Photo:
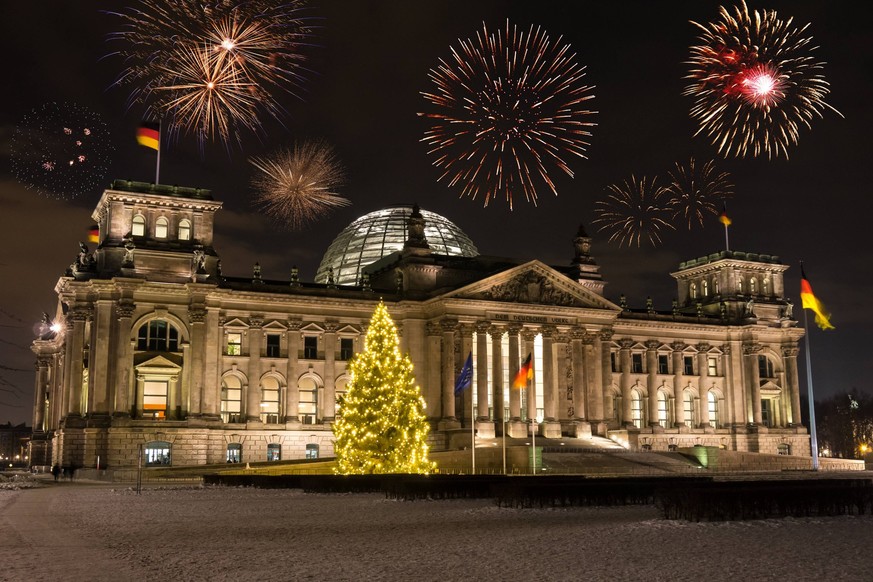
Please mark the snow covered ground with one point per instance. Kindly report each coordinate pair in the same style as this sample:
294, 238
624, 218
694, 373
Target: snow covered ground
85, 531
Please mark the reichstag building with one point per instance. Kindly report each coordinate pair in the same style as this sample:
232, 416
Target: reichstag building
151, 348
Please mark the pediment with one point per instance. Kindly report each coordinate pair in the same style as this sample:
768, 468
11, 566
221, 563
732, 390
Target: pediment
770, 387
312, 328
533, 283
275, 326
348, 330
236, 322
159, 363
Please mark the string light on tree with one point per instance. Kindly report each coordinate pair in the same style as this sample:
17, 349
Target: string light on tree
381, 426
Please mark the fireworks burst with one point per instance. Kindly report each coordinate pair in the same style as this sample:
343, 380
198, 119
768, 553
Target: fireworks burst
213, 68
754, 83
61, 150
508, 105
634, 210
695, 190
295, 186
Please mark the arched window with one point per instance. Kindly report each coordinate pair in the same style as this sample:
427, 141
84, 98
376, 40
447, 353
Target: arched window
308, 403
739, 285
162, 227
139, 226
765, 286
712, 402
704, 288
185, 229
662, 409
270, 400
157, 453
340, 390
688, 407
636, 409
715, 289
158, 336
231, 397
234, 453
753, 286
692, 290
274, 452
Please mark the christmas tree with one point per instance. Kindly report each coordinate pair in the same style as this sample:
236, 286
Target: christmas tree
381, 426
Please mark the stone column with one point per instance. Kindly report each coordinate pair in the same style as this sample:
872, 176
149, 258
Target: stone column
100, 355
606, 373
482, 328
514, 361
594, 375
789, 358
329, 409
529, 335
679, 383
76, 320
292, 392
550, 388
702, 388
123, 359
625, 360
580, 388
497, 372
253, 390
734, 378
652, 380
210, 402
43, 362
750, 353
447, 373
433, 388
197, 320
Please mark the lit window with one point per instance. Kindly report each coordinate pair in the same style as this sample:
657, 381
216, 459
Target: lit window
234, 453
704, 287
308, 402
234, 344
231, 399
636, 409
688, 367
692, 290
347, 348
783, 449
274, 452
273, 343
138, 228
715, 286
663, 364
154, 399
270, 400
157, 453
712, 402
765, 286
637, 363
185, 229
310, 347
739, 285
158, 336
688, 407
162, 227
753, 286
712, 366
311, 451
662, 409
340, 392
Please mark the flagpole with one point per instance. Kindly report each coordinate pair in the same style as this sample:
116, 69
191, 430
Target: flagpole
158, 168
812, 432
504, 441
727, 245
533, 443
473, 433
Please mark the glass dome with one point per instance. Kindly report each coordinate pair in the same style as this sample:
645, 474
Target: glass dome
380, 233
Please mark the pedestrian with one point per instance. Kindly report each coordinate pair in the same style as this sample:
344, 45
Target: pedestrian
56, 471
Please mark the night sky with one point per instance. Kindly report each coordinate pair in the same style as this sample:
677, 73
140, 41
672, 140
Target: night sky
370, 65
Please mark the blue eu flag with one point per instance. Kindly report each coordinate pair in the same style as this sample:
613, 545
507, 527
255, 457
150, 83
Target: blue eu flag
465, 378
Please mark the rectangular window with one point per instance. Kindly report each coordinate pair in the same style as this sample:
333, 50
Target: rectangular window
347, 348
307, 406
234, 344
154, 399
270, 406
273, 341
663, 364
688, 362
613, 361
765, 367
310, 347
712, 366
688, 407
637, 363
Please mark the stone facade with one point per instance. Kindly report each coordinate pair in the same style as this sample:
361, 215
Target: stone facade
151, 346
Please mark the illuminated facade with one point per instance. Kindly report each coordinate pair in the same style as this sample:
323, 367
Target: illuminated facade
154, 348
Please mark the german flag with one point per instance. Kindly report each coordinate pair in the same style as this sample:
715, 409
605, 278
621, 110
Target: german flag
149, 134
94, 234
810, 301
723, 217
524, 374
